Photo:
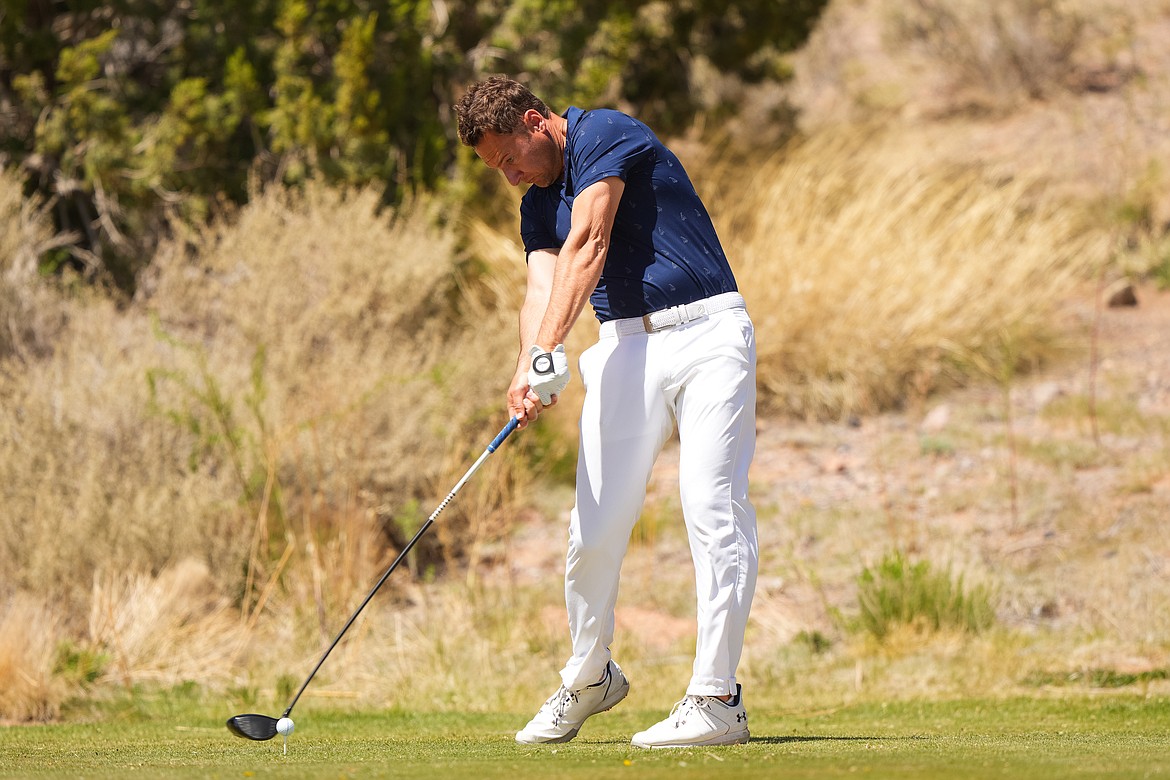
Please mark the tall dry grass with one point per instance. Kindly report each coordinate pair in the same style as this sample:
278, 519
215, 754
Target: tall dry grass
875, 276
29, 687
30, 312
284, 402
168, 628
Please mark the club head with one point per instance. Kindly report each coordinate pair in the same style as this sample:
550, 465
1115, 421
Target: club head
257, 727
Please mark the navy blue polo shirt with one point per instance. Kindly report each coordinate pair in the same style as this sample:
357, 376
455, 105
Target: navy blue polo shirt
663, 250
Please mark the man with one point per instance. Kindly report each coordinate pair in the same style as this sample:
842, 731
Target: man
611, 217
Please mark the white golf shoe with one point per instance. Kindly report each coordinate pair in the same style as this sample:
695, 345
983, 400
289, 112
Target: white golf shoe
699, 720
561, 717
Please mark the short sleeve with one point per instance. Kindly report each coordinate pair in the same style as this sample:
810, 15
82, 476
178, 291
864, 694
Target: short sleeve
605, 144
537, 226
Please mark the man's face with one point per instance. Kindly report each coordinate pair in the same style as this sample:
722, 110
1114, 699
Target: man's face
528, 154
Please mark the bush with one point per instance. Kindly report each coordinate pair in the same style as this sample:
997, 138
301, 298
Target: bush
875, 276
286, 383
133, 113
898, 592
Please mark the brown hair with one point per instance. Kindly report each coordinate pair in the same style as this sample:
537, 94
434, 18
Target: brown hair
497, 104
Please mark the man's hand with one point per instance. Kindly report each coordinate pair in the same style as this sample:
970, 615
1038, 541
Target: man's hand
522, 401
549, 374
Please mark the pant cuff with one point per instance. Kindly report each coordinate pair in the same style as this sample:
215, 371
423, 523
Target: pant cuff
711, 686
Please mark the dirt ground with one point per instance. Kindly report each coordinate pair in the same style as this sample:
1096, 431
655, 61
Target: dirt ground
1061, 510
1043, 501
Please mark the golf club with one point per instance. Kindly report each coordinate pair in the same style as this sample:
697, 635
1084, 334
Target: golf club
263, 727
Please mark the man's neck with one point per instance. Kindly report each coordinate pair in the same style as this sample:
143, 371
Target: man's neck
558, 128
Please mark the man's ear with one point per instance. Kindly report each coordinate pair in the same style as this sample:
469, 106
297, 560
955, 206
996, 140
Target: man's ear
533, 120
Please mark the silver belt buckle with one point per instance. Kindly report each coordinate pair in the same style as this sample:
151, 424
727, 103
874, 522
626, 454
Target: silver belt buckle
681, 316
665, 313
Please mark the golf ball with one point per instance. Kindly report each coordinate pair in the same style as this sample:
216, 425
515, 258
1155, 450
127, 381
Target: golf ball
285, 726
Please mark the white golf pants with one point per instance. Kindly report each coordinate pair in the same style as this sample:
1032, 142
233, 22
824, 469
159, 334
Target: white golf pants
701, 376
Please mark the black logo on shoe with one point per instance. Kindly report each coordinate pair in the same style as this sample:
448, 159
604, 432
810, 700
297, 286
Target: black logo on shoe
741, 717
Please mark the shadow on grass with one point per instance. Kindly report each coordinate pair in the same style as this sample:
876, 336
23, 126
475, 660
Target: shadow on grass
813, 738
760, 741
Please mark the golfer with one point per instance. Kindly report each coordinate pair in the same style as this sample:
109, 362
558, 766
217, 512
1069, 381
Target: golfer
610, 217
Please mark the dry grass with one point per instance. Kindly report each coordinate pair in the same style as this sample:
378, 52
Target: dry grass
954, 88
874, 277
252, 410
30, 313
939, 58
29, 690
168, 629
447, 644
996, 56
248, 415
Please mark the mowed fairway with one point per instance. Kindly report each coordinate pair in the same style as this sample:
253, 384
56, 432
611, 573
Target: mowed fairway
1109, 736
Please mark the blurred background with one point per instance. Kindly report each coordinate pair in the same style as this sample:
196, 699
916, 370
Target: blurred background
257, 316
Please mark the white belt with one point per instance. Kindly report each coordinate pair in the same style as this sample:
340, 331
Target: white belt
675, 315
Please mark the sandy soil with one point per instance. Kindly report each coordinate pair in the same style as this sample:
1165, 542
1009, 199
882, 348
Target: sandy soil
1069, 529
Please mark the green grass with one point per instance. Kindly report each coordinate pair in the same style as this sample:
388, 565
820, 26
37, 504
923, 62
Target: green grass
899, 591
1112, 736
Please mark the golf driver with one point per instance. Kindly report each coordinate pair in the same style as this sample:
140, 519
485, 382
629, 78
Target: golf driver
262, 727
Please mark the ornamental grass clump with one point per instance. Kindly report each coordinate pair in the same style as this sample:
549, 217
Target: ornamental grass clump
899, 592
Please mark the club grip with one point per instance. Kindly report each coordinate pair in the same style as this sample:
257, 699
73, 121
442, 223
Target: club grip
503, 434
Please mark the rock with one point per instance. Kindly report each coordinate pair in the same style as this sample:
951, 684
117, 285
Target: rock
1121, 294
835, 464
936, 419
1045, 393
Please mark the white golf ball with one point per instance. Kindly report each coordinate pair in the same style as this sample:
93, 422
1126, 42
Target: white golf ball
285, 726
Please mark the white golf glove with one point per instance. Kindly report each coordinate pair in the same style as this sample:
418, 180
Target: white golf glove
549, 374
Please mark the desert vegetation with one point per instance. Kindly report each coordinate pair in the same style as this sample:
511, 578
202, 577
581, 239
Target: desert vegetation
212, 446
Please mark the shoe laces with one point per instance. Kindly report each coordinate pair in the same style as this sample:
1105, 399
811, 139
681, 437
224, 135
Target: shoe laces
559, 702
686, 706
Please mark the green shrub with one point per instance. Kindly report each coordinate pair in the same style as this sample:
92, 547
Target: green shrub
1161, 273
80, 664
899, 592
129, 115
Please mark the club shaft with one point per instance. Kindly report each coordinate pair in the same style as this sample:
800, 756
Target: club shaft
496, 442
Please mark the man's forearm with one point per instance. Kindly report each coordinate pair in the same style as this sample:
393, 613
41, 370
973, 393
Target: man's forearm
581, 259
577, 272
531, 314
541, 271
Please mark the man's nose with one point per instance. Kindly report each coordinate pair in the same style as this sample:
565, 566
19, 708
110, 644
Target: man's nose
512, 175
